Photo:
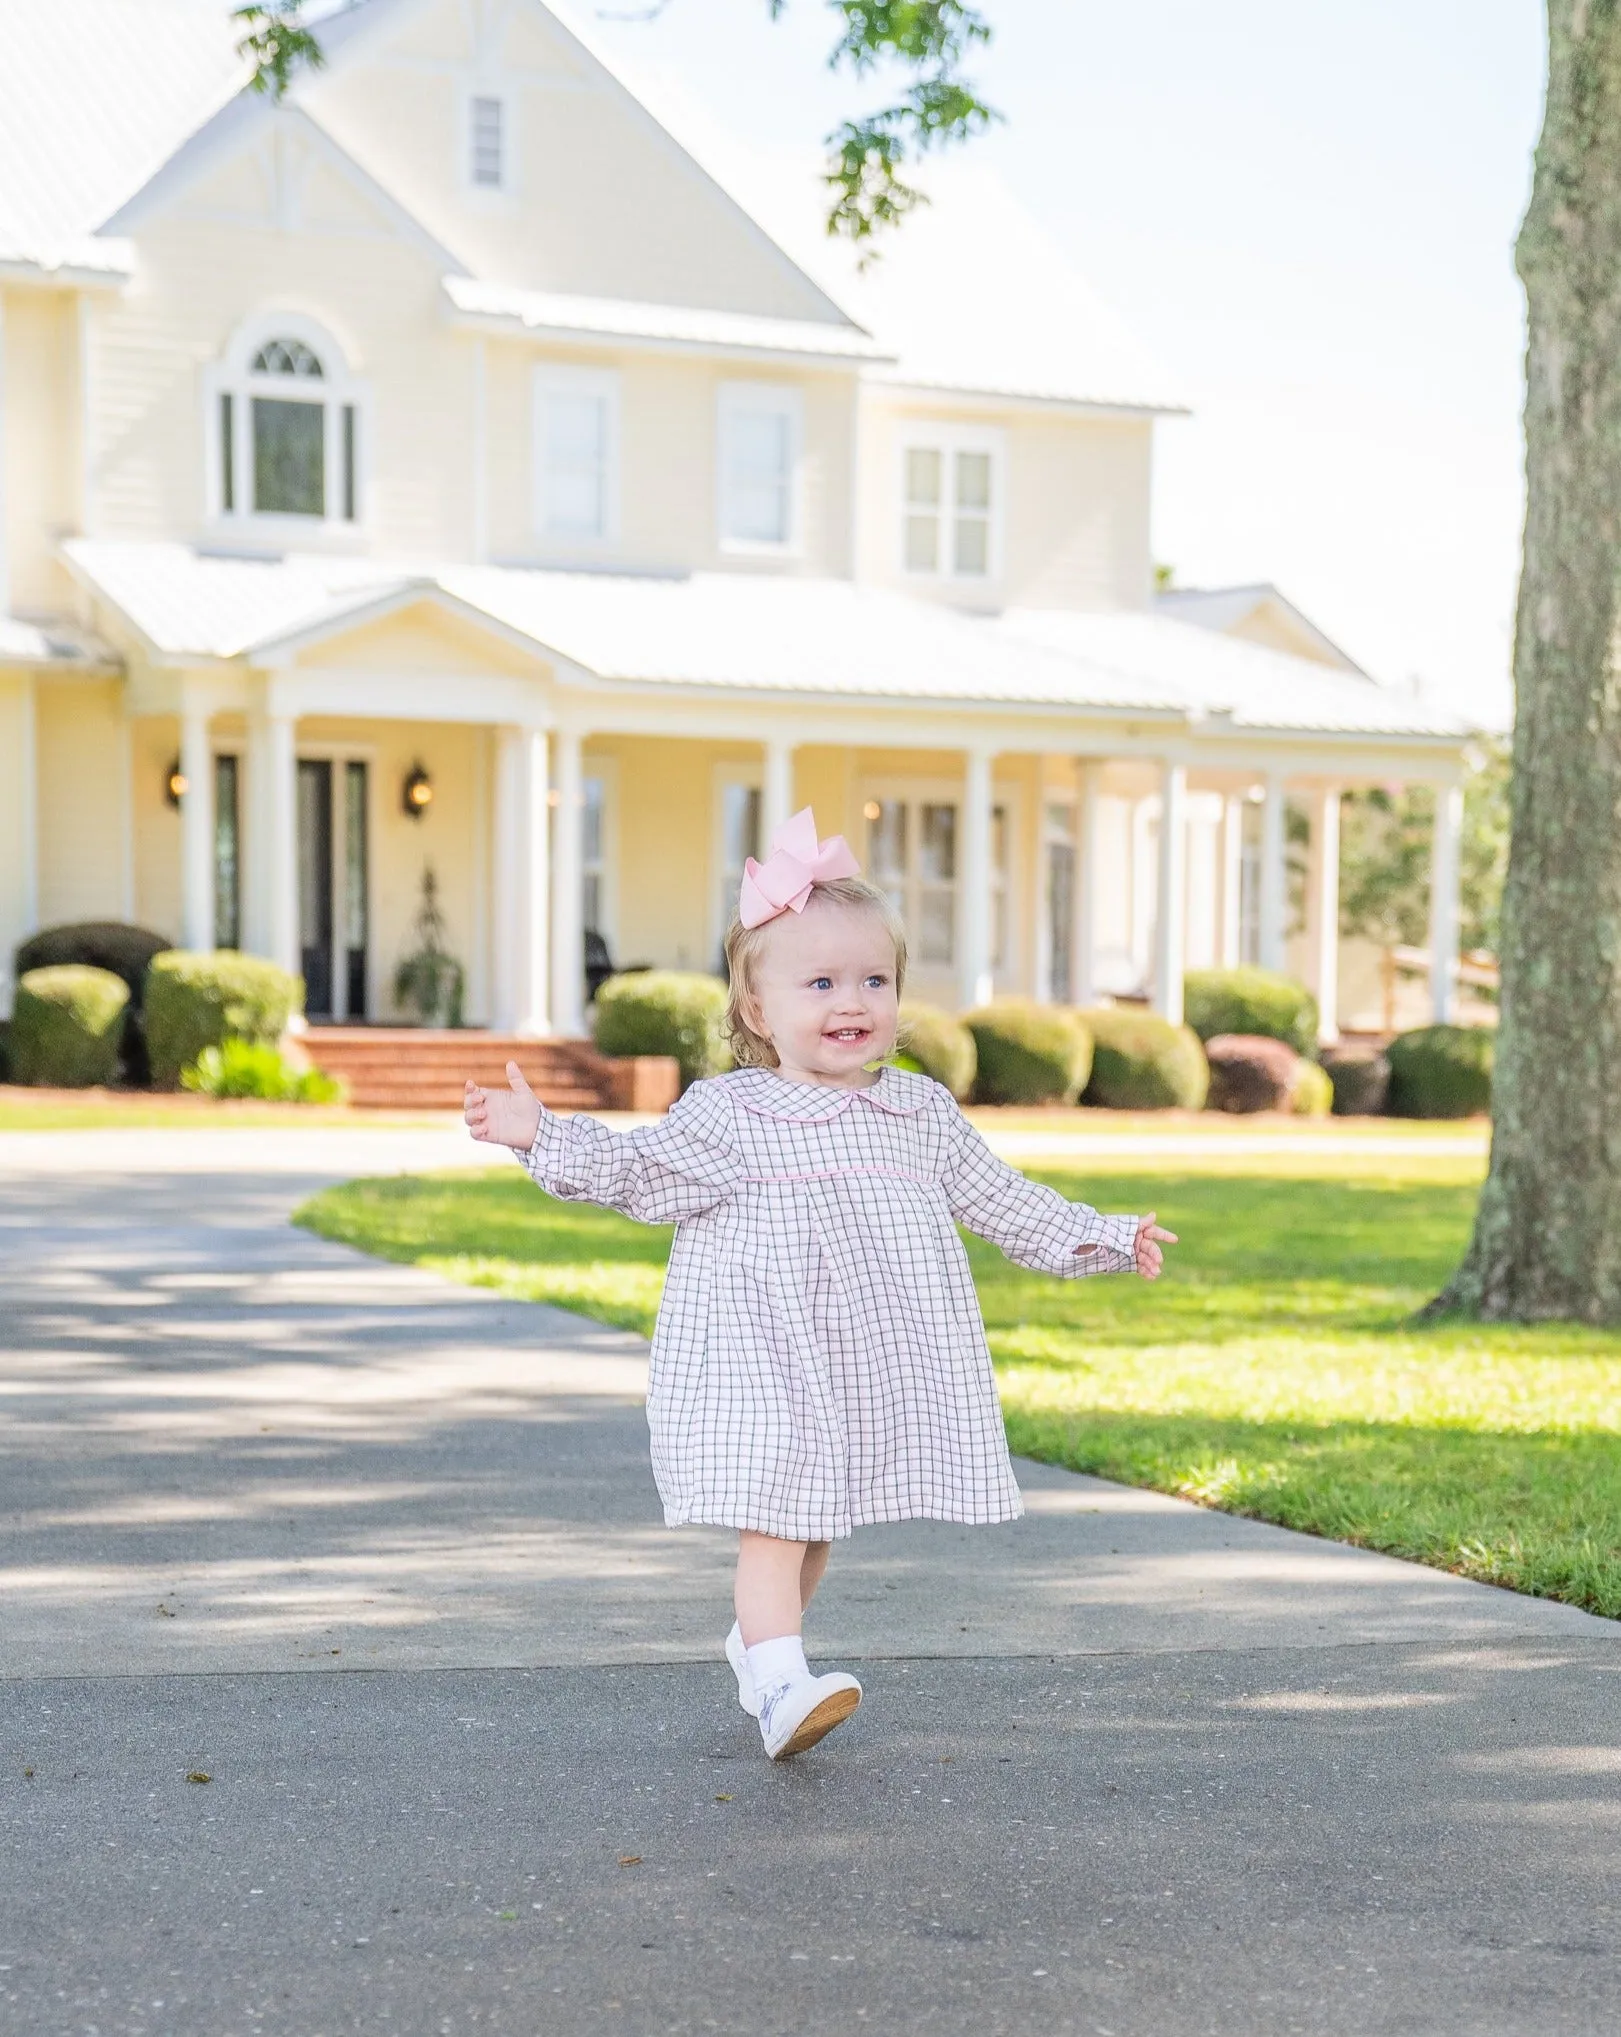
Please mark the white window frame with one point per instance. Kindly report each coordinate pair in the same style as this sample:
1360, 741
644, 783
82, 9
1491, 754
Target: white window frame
738, 399
918, 793
606, 772
603, 384
337, 390
489, 194
723, 895
948, 440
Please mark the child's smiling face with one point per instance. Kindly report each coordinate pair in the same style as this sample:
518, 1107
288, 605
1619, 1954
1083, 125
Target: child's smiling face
824, 992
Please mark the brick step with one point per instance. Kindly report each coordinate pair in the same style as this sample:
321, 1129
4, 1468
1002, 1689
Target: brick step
415, 1068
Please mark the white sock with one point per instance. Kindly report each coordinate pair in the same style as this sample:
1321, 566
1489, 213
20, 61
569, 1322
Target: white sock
776, 1662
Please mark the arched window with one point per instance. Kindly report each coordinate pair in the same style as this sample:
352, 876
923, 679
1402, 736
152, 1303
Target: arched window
286, 428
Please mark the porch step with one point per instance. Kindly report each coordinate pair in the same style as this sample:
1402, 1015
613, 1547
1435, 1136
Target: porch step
422, 1068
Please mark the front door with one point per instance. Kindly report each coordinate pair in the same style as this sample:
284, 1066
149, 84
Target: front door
332, 887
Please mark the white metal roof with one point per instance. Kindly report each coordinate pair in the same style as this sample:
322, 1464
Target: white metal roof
671, 324
28, 643
1227, 678
760, 633
94, 96
971, 295
1223, 608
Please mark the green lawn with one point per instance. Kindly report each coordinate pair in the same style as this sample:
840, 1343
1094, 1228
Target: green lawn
1275, 1370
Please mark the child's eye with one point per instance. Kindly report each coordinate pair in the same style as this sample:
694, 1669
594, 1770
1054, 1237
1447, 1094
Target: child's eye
821, 983
877, 982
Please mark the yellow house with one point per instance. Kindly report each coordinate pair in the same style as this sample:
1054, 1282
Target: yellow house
443, 469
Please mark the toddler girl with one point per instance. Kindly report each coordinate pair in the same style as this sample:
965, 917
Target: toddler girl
819, 1361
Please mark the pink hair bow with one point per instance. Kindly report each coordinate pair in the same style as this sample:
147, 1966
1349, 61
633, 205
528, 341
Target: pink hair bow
797, 863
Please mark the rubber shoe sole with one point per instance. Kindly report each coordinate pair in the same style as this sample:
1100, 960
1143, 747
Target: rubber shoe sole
820, 1720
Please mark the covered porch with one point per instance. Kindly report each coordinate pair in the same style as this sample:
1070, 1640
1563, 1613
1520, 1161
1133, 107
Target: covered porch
1067, 808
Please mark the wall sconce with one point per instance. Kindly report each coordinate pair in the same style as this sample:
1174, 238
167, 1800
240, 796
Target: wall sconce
418, 796
174, 783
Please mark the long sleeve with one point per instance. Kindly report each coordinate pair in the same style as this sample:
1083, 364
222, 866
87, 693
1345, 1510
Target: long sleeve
658, 1174
1035, 1226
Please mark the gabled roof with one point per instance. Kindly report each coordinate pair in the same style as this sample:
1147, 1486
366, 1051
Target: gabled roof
232, 128
1226, 609
743, 633
101, 100
95, 95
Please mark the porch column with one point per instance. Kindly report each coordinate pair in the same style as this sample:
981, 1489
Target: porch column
974, 978
1274, 875
1232, 880
281, 841
568, 933
1088, 854
777, 789
1325, 870
1444, 900
1170, 935
522, 893
196, 827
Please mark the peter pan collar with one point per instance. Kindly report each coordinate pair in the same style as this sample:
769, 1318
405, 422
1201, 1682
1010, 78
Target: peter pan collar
768, 1095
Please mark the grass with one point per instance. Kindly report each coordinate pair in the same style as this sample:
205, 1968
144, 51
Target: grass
95, 1110
1276, 1371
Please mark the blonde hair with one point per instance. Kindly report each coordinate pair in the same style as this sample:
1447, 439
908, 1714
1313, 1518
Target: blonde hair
744, 946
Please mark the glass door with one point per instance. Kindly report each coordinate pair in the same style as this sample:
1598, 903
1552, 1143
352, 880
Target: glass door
356, 891
333, 887
315, 885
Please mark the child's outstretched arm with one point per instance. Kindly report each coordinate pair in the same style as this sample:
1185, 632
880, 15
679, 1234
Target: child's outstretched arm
1037, 1227
658, 1174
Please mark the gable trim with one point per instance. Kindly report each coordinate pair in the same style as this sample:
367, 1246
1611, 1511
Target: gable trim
347, 615
237, 126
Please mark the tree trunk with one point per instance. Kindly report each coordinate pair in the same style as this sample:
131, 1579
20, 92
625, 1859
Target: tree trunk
1547, 1239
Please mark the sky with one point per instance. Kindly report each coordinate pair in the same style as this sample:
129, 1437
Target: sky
1305, 210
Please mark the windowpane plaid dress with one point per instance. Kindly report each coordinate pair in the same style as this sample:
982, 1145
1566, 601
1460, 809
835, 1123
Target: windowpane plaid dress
820, 1362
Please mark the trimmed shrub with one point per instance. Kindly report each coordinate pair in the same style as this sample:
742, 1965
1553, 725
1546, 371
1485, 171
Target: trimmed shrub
254, 1068
1442, 1072
934, 1043
1251, 1073
1140, 1061
665, 1011
122, 950
65, 1026
1314, 1093
1028, 1053
1253, 1002
1361, 1081
198, 1001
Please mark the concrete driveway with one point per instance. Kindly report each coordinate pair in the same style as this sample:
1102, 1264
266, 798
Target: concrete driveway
381, 1557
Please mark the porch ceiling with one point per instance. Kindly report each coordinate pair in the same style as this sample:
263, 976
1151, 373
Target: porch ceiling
744, 633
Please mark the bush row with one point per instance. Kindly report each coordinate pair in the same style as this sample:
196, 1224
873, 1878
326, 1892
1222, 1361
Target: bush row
1015, 1051
101, 999
214, 1021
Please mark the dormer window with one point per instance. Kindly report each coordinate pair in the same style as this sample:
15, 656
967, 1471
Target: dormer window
286, 436
488, 142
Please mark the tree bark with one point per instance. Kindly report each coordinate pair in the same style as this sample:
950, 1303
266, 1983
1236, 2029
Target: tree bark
1547, 1240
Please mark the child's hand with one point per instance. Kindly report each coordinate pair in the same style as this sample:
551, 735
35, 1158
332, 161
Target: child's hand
509, 1117
1150, 1259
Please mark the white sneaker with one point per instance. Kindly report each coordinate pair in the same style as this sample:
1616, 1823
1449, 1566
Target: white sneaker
794, 1716
738, 1656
